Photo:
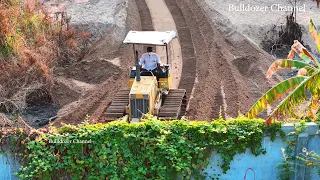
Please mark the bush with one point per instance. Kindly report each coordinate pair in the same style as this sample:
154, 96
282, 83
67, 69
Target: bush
148, 150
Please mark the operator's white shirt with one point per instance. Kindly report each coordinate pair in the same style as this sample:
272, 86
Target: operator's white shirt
149, 61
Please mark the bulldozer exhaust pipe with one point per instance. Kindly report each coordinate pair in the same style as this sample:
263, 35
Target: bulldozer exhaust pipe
138, 78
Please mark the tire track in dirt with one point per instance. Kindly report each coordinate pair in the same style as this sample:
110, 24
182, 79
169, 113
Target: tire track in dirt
188, 74
239, 63
146, 21
219, 87
145, 16
221, 59
207, 99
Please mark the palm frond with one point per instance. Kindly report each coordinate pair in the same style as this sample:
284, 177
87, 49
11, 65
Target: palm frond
275, 94
310, 70
296, 97
286, 63
293, 89
303, 53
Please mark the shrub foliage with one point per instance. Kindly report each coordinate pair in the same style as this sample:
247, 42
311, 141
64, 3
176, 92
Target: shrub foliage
148, 150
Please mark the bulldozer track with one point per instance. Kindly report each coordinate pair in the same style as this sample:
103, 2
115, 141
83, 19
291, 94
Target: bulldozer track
117, 108
197, 58
145, 16
219, 87
174, 104
227, 78
188, 74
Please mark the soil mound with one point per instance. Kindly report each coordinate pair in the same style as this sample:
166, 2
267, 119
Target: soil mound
102, 66
92, 72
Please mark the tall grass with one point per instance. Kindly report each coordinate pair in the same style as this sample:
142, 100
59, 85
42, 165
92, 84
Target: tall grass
25, 28
31, 43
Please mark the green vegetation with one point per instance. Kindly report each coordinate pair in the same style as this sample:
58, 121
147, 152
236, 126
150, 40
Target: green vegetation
151, 149
286, 168
308, 159
294, 91
32, 41
24, 29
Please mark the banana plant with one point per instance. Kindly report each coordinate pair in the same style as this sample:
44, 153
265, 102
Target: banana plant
292, 92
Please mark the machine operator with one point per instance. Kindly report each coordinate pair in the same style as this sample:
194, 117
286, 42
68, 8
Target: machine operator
150, 62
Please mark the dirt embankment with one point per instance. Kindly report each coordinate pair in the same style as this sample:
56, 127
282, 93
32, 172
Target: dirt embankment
230, 69
74, 81
96, 64
87, 86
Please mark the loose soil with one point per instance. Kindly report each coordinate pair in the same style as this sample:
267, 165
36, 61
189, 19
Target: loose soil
91, 72
109, 79
230, 69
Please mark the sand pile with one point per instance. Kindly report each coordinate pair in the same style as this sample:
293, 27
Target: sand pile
261, 25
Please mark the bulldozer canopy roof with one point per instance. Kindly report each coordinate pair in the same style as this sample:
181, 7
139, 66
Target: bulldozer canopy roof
159, 38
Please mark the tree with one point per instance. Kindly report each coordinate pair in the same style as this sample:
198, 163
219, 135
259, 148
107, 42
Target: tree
293, 92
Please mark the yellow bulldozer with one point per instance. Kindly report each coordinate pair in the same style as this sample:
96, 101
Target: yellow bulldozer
148, 94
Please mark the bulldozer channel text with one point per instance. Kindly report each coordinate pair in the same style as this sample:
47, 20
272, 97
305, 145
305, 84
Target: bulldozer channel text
65, 141
273, 7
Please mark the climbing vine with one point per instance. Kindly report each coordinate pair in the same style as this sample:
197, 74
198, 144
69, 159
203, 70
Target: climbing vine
286, 168
148, 150
308, 159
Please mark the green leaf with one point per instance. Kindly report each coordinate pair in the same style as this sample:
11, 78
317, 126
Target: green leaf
274, 94
297, 96
286, 63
